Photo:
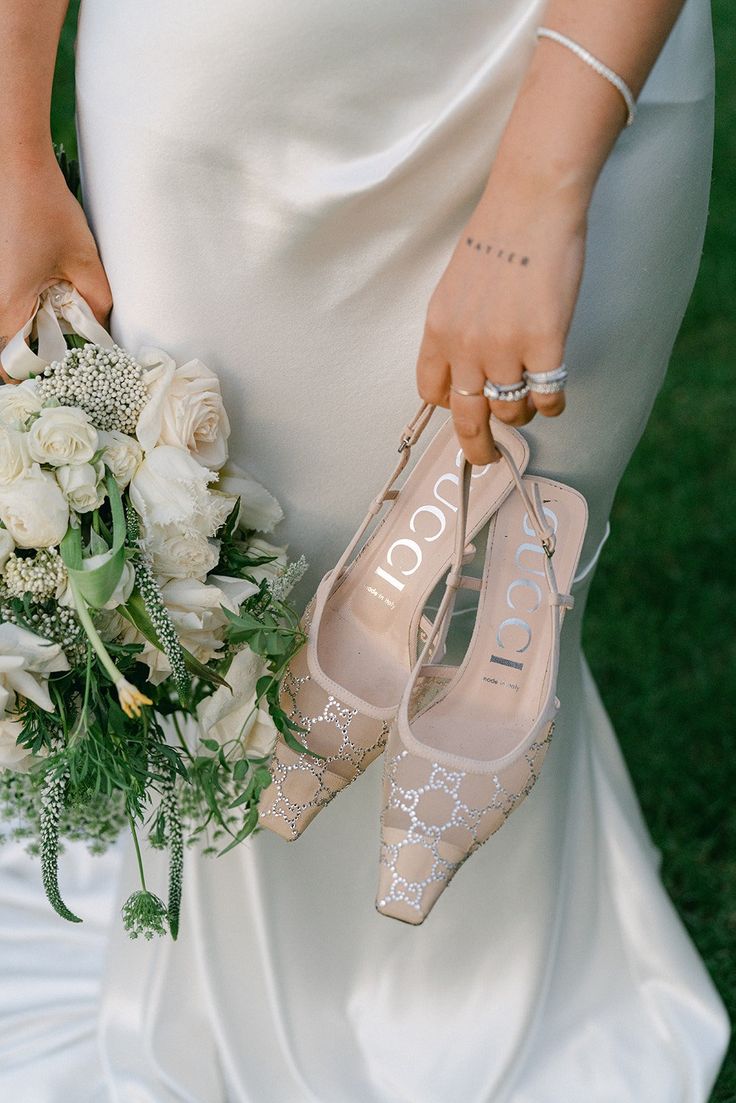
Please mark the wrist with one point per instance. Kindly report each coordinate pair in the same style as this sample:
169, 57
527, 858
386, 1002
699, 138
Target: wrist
23, 160
528, 195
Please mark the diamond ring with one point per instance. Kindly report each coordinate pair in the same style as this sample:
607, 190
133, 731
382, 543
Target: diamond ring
547, 382
506, 392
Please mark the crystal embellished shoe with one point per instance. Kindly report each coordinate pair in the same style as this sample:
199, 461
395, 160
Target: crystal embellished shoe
468, 742
365, 621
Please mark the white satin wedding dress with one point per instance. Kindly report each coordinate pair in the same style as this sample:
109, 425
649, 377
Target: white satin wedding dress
276, 186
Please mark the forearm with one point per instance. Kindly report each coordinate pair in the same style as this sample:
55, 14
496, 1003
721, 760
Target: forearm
567, 117
30, 32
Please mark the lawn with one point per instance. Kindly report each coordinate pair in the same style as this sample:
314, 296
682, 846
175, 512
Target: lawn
663, 595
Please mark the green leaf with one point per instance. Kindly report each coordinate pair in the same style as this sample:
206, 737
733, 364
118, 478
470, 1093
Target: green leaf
210, 744
97, 585
241, 768
249, 824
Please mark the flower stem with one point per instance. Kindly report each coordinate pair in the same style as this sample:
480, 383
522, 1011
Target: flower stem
93, 635
138, 854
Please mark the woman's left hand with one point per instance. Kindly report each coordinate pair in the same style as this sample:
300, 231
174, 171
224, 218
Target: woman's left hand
504, 303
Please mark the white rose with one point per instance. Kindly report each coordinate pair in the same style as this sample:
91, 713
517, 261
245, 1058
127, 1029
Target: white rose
184, 408
259, 510
122, 454
61, 435
7, 547
18, 403
34, 510
170, 488
257, 548
14, 457
177, 554
12, 757
82, 485
26, 660
195, 608
231, 713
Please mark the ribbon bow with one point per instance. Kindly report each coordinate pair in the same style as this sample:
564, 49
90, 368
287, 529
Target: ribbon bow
59, 309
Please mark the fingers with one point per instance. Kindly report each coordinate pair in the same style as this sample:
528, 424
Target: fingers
433, 372
13, 316
471, 416
544, 356
91, 283
549, 405
502, 366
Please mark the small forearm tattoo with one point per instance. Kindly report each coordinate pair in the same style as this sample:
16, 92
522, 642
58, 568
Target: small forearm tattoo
491, 250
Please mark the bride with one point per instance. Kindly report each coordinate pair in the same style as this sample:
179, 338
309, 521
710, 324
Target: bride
319, 198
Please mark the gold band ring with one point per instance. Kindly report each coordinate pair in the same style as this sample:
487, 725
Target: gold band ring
466, 394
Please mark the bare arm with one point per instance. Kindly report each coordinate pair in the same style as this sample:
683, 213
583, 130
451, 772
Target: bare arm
44, 236
30, 32
494, 313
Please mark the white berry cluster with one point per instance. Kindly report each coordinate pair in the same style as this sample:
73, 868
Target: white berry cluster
42, 575
106, 383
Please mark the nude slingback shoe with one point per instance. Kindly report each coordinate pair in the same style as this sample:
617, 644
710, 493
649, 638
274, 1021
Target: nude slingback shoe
468, 742
363, 624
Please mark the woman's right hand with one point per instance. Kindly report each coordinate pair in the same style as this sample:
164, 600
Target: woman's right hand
44, 238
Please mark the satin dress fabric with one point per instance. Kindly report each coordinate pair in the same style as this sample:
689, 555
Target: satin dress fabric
276, 187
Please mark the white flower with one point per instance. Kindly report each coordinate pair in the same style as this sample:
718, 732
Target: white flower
14, 457
26, 660
177, 554
7, 547
185, 408
12, 757
122, 454
18, 403
34, 510
170, 488
61, 435
194, 608
230, 714
82, 485
259, 510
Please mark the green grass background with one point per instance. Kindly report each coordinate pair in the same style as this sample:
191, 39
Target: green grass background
661, 623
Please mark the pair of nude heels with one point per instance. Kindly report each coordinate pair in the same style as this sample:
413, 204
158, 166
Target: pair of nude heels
463, 745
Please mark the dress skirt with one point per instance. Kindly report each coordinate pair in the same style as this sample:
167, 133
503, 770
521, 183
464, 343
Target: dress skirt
276, 187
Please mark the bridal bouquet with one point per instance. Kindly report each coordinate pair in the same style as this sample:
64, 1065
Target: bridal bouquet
144, 625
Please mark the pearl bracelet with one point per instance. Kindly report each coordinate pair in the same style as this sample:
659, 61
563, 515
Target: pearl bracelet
595, 63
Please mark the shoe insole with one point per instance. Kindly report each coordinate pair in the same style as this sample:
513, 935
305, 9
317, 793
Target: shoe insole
367, 636
494, 699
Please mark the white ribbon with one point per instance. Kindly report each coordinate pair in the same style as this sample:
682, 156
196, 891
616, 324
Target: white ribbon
59, 309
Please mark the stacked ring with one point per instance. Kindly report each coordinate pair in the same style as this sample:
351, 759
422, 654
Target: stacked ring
506, 392
547, 382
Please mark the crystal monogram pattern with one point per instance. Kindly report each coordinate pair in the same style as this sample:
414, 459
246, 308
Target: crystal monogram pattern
303, 784
434, 817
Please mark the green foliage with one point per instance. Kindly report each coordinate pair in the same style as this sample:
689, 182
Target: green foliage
144, 914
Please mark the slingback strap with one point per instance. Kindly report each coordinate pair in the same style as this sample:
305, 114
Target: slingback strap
59, 309
409, 437
534, 508
414, 428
